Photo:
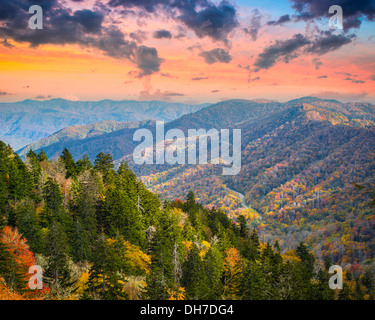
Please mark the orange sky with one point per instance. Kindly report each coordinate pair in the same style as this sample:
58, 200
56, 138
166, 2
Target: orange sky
75, 72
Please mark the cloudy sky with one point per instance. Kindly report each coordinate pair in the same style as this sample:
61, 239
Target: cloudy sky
187, 50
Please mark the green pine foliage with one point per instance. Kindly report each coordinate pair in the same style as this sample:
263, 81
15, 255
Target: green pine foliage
103, 222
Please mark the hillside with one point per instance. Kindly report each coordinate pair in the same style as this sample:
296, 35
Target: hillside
27, 121
298, 170
99, 234
299, 162
78, 138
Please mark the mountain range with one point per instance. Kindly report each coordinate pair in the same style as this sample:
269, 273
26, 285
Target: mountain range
300, 161
27, 121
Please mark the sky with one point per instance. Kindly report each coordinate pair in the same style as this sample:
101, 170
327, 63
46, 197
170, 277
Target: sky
190, 51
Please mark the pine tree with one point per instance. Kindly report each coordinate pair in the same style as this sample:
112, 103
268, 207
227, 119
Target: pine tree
252, 282
82, 246
28, 225
57, 250
85, 225
70, 165
106, 279
36, 168
214, 268
103, 163
123, 216
307, 258
194, 277
251, 247
163, 244
9, 270
84, 164
54, 207
243, 226
42, 156
320, 290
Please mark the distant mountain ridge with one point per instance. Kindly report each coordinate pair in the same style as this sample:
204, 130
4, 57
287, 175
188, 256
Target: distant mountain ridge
226, 114
299, 162
75, 135
28, 121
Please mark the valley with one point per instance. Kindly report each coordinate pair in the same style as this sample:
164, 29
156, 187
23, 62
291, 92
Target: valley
299, 162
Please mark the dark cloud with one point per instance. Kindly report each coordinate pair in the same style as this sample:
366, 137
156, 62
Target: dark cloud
373, 77
139, 36
286, 50
216, 55
346, 74
148, 5
84, 27
147, 60
283, 19
353, 11
199, 78
6, 44
212, 21
329, 42
91, 21
159, 95
282, 49
40, 97
162, 34
358, 81
3, 93
317, 63
202, 16
322, 77
173, 94
254, 25
168, 75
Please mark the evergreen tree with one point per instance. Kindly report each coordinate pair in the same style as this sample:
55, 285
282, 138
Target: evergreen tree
307, 258
57, 250
194, 276
82, 246
9, 270
163, 243
320, 289
103, 163
36, 168
243, 226
85, 225
214, 271
28, 225
70, 165
54, 207
251, 247
106, 279
42, 156
84, 164
123, 216
252, 282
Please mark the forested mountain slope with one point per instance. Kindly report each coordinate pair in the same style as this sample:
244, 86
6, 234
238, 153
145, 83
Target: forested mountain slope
300, 161
27, 121
98, 233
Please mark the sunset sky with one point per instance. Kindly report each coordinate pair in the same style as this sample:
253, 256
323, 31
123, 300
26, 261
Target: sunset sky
190, 51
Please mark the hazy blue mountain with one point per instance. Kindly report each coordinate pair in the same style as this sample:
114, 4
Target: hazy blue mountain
88, 139
300, 160
27, 121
